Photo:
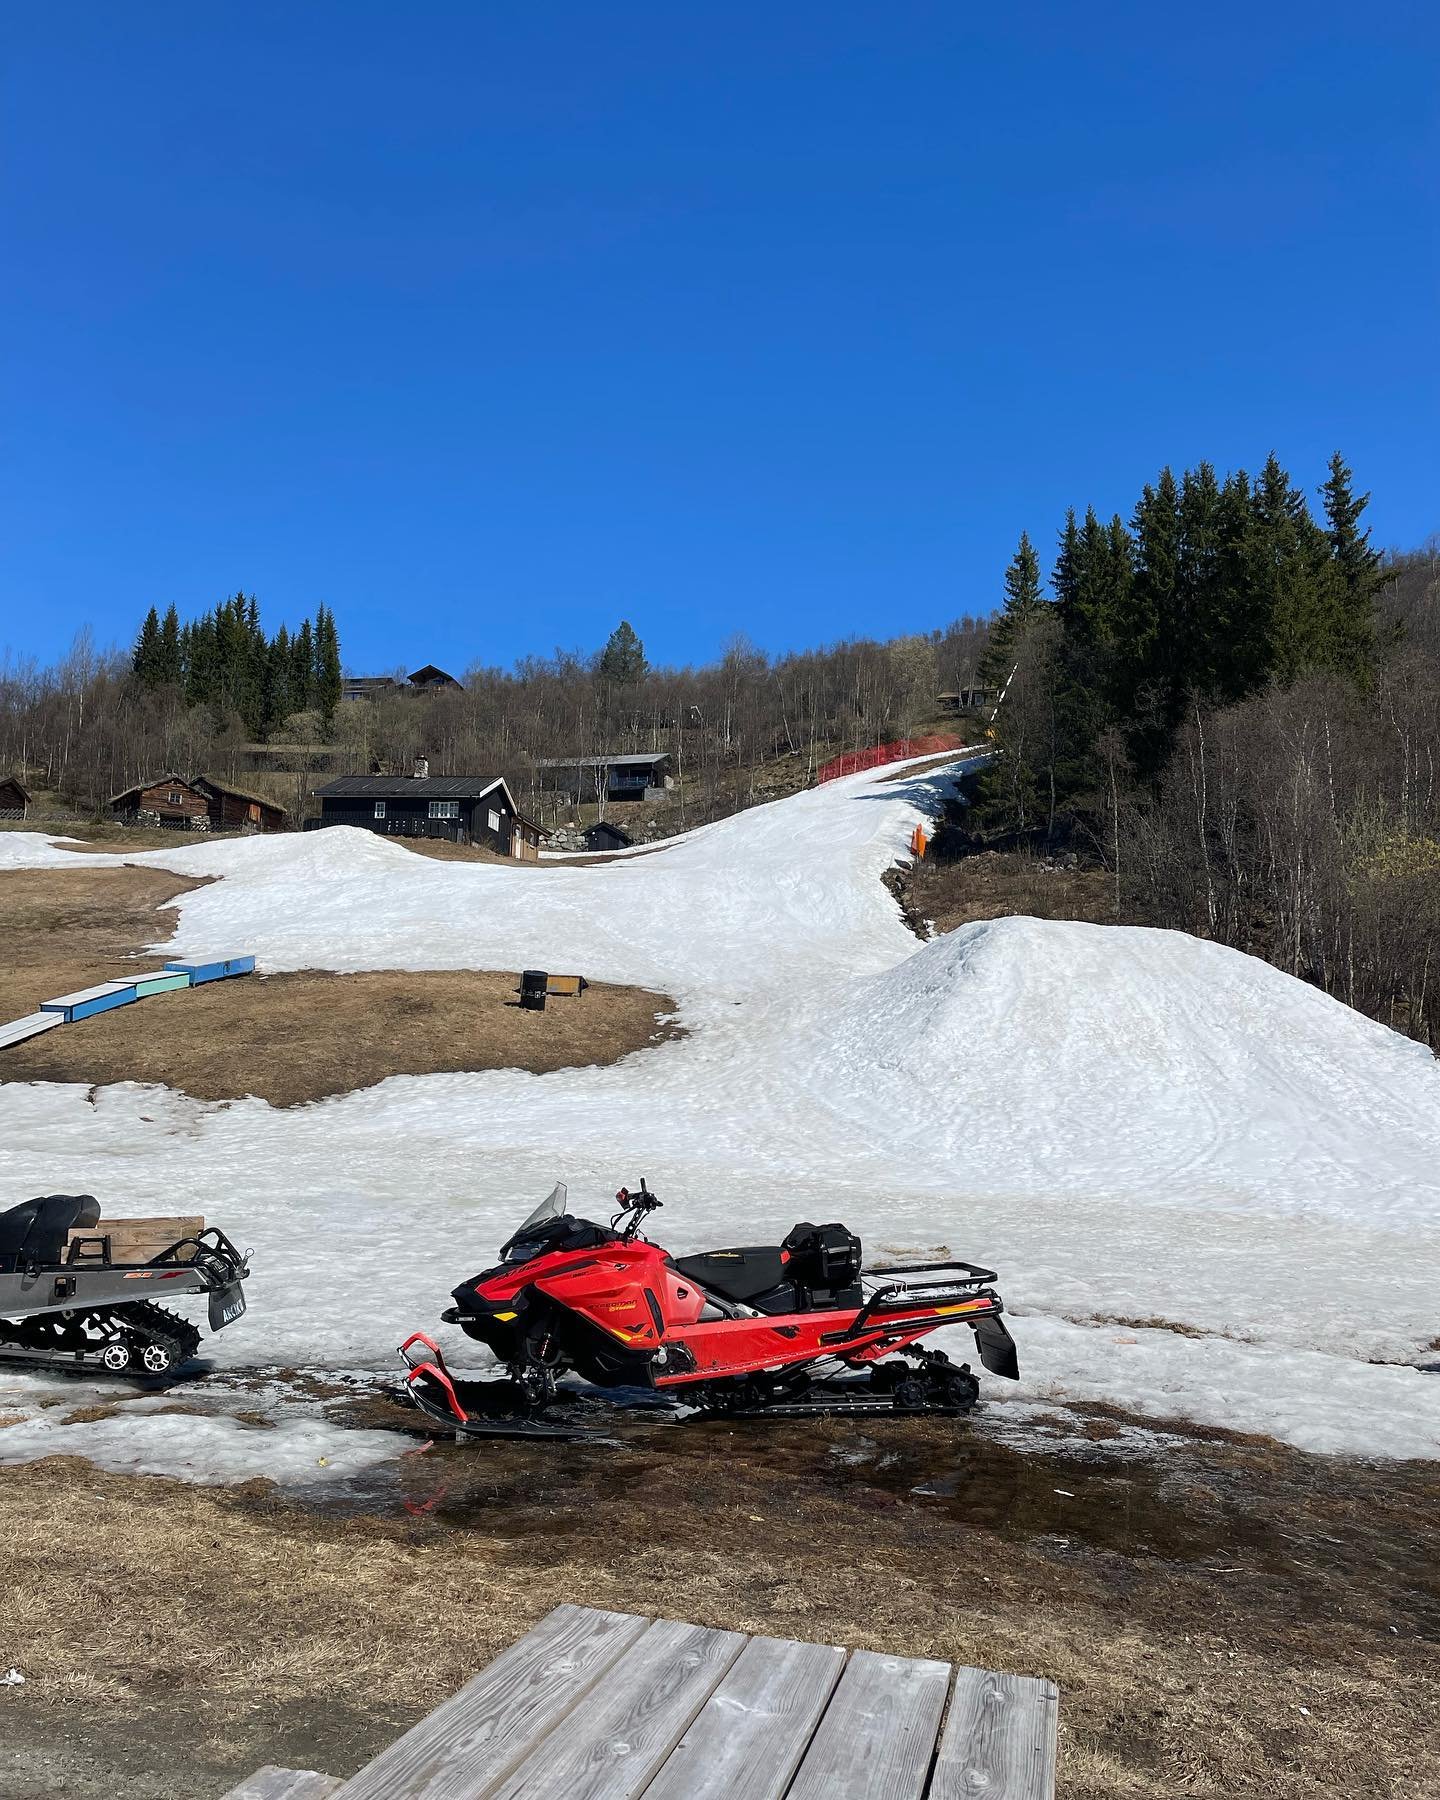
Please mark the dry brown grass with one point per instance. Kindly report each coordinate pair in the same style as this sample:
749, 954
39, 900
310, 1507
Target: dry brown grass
996, 884
287, 1038
64, 929
291, 1039
1188, 1609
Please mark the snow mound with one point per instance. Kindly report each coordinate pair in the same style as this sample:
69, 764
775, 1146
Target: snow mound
1031, 1050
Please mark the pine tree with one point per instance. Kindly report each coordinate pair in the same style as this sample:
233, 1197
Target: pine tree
1356, 572
145, 658
623, 658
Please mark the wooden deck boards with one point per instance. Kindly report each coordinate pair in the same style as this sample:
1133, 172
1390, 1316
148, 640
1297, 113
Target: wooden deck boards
606, 1706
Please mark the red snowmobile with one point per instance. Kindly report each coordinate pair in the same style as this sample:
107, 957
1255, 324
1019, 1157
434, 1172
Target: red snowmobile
789, 1329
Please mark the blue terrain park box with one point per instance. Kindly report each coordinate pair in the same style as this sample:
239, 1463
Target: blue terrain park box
88, 1001
214, 968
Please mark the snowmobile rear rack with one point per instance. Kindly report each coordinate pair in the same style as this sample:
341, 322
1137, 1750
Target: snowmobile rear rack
66, 1302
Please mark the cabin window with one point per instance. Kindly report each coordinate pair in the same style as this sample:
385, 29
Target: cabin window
444, 809
494, 821
173, 797
379, 809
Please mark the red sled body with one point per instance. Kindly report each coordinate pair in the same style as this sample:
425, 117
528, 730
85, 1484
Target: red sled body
756, 1329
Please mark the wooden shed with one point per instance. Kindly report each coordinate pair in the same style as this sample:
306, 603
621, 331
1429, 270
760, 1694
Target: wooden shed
464, 809
235, 808
14, 797
169, 800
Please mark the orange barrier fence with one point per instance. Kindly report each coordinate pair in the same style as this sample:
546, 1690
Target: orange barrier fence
853, 761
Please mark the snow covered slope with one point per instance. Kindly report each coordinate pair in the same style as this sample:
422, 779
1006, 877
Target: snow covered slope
1138, 1129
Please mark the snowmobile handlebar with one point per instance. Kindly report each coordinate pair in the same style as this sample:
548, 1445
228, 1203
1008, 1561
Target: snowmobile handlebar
637, 1205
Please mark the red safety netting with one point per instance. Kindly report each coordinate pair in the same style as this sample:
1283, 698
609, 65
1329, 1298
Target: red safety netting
853, 761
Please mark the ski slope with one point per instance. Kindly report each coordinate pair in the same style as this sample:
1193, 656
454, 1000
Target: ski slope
1139, 1130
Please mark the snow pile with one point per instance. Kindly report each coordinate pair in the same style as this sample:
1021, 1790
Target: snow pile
1185, 1070
1138, 1130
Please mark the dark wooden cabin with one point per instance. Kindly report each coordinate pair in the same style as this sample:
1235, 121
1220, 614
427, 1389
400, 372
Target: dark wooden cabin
168, 800
465, 809
235, 808
606, 836
14, 797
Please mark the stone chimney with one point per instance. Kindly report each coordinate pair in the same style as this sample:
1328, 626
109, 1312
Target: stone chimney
422, 768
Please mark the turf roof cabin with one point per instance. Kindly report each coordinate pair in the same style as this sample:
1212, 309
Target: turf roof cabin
466, 809
197, 803
14, 797
169, 800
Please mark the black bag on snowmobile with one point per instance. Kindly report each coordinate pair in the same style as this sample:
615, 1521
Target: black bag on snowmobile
825, 1262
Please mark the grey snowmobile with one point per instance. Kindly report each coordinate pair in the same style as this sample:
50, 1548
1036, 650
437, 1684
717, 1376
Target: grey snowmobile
79, 1294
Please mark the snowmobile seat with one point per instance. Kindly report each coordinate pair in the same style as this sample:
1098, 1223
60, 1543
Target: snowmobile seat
739, 1275
34, 1231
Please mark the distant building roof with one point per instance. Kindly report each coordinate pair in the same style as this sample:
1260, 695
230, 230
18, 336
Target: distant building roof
422, 787
169, 779
19, 786
601, 762
430, 676
214, 783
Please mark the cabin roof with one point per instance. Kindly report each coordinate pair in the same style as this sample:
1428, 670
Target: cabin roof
19, 786
430, 673
238, 793
419, 787
602, 762
169, 779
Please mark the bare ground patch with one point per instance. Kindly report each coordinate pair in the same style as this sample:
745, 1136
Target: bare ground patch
290, 1039
63, 929
945, 893
287, 1038
1221, 1618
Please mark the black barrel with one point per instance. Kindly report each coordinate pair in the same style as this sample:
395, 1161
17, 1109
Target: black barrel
533, 983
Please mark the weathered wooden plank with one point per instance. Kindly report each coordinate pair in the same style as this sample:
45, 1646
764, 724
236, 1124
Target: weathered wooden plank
878, 1733
751, 1733
999, 1740
609, 1748
471, 1742
271, 1783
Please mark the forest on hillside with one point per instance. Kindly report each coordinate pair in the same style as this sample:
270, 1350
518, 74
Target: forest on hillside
1228, 702
203, 697
1233, 707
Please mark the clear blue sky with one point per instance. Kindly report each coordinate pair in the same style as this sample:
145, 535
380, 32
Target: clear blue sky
489, 324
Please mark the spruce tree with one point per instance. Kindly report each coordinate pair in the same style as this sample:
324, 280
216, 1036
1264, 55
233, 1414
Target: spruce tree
1356, 572
327, 664
302, 668
171, 669
623, 658
145, 658
1024, 603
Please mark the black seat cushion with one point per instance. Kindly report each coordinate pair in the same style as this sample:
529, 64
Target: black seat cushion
34, 1231
737, 1274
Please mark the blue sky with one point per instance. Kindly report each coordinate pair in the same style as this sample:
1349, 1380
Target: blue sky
487, 325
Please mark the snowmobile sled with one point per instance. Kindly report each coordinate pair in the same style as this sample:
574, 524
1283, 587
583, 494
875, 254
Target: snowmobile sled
79, 1294
793, 1329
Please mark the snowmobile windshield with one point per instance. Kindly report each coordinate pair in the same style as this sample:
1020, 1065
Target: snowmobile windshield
538, 1226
